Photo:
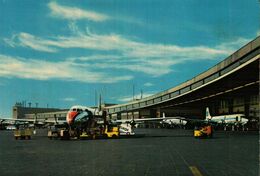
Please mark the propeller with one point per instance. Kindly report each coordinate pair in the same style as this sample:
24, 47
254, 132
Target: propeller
132, 123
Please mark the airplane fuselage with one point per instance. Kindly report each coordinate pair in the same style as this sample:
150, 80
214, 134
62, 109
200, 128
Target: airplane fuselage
230, 119
174, 121
80, 114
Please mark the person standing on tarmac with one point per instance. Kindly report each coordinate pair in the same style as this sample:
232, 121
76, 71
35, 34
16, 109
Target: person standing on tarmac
207, 130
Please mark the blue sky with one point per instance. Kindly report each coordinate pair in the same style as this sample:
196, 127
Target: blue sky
61, 52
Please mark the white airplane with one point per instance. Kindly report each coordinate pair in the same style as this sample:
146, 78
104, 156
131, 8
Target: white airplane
232, 119
78, 114
174, 121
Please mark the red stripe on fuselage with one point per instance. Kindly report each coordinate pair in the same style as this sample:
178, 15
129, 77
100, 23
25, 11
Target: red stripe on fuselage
71, 116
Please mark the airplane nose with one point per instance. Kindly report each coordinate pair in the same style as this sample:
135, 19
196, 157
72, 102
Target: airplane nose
71, 116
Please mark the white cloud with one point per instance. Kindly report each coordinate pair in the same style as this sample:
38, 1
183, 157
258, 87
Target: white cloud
125, 99
70, 99
148, 84
233, 45
46, 70
129, 98
258, 33
29, 41
131, 55
74, 13
127, 47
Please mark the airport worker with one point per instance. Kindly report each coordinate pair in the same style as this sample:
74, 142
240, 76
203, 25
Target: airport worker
209, 130
206, 130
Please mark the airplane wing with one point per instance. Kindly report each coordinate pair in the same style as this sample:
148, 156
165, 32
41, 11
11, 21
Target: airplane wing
179, 118
200, 121
35, 121
137, 120
156, 119
184, 120
55, 121
16, 120
189, 119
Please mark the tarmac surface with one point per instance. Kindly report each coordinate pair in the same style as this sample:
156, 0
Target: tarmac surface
158, 152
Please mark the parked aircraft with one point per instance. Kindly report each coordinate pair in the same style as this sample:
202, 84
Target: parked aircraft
232, 119
82, 114
226, 120
174, 121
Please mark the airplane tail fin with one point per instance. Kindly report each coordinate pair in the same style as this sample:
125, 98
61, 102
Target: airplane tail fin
208, 116
163, 115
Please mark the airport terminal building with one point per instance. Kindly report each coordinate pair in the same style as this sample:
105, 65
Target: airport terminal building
20, 111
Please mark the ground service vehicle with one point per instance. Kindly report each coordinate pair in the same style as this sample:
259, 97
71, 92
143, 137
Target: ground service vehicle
106, 131
55, 130
204, 132
112, 132
23, 133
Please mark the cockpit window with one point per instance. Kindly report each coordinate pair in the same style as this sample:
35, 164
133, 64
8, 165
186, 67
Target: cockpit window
83, 115
73, 109
79, 110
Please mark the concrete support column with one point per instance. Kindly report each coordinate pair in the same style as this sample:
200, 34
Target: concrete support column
158, 112
118, 116
110, 116
246, 104
230, 106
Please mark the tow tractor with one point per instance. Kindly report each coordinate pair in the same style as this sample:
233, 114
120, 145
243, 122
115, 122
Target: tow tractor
23, 132
54, 131
109, 131
205, 131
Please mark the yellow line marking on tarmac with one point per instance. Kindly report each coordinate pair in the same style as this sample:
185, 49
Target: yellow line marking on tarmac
195, 171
